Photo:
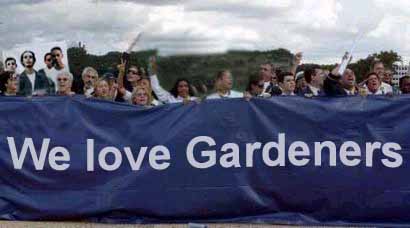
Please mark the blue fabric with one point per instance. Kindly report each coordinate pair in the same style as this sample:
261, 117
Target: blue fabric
310, 194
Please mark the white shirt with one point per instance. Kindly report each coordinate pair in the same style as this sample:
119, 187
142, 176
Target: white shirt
349, 92
164, 95
230, 94
265, 86
314, 90
32, 78
386, 88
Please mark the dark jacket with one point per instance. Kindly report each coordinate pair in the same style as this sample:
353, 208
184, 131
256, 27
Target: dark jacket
332, 86
41, 83
308, 91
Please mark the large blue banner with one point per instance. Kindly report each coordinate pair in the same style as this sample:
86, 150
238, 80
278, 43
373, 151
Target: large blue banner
286, 160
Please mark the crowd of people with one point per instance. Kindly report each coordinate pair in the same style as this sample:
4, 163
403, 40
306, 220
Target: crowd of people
141, 87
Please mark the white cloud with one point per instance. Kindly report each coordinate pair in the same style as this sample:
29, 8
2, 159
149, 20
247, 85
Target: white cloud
322, 29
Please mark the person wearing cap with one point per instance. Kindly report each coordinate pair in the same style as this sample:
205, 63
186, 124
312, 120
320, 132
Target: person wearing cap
64, 84
300, 82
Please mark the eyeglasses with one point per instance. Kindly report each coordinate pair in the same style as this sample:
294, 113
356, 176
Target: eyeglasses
62, 79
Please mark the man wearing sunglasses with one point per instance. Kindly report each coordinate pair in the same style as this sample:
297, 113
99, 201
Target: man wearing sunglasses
31, 82
47, 71
10, 64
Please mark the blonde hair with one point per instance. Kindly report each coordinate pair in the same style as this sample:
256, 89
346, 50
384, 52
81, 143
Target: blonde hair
134, 94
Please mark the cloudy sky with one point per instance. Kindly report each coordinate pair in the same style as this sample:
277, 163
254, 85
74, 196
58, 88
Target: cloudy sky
321, 29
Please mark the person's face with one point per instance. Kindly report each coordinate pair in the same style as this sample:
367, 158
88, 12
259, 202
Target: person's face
102, 89
349, 78
133, 74
90, 79
12, 85
257, 89
288, 84
58, 55
388, 76
301, 83
265, 71
226, 81
145, 83
11, 65
379, 69
317, 77
141, 97
373, 83
63, 83
49, 61
28, 60
405, 86
183, 89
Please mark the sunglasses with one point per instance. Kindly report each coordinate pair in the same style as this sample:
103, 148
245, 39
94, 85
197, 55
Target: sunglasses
133, 72
260, 85
49, 60
11, 64
62, 79
27, 57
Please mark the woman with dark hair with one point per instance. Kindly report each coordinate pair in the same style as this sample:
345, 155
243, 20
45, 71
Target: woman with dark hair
181, 92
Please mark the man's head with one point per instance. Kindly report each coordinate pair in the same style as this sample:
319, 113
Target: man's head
48, 60
64, 82
378, 68
348, 79
89, 76
267, 72
314, 76
405, 84
10, 64
300, 81
388, 76
223, 80
255, 85
58, 56
287, 82
28, 59
9, 83
373, 82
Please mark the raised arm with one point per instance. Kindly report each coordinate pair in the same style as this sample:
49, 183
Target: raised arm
296, 62
161, 93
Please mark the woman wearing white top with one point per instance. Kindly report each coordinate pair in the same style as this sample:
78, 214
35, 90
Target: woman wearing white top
223, 86
181, 92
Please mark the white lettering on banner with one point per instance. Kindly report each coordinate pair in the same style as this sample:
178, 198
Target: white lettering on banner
203, 152
274, 154
38, 161
158, 157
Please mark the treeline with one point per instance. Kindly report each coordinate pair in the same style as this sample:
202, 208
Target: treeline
201, 69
